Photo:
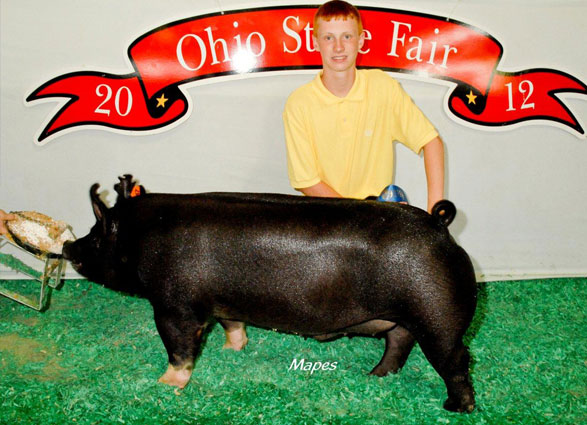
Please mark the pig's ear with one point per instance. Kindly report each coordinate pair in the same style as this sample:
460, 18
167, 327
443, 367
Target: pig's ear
127, 188
99, 207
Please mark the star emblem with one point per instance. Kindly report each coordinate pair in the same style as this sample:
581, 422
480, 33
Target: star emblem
161, 101
471, 97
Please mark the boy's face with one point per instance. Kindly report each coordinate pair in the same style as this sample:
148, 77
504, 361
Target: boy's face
338, 42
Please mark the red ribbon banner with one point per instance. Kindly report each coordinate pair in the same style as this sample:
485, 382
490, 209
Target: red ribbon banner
280, 38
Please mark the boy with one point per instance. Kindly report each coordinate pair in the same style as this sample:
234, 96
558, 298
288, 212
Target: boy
340, 127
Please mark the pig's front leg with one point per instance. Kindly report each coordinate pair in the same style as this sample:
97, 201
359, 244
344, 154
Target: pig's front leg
236, 336
177, 376
182, 335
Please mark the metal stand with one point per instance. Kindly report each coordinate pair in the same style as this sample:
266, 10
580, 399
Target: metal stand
49, 278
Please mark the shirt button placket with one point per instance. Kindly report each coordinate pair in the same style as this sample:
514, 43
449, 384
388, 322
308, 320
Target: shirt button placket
346, 138
346, 119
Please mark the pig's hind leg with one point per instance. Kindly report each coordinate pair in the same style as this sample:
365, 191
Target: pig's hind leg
181, 336
441, 320
439, 327
398, 345
439, 331
450, 358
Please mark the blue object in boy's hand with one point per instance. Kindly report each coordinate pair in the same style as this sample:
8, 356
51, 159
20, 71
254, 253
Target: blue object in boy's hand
393, 193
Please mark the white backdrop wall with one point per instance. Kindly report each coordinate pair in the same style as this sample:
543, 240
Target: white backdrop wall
520, 191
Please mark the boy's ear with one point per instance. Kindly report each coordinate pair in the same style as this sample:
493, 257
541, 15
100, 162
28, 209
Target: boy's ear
361, 39
315, 40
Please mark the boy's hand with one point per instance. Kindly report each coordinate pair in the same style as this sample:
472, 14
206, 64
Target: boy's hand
4, 217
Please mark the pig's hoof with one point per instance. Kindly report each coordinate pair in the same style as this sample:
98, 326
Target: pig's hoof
384, 370
235, 339
456, 406
176, 376
236, 346
379, 371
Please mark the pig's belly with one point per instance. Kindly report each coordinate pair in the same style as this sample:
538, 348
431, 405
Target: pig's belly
322, 325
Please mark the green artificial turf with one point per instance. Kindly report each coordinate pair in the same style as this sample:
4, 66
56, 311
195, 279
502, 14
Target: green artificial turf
94, 356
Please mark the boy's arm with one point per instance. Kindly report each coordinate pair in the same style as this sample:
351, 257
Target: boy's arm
321, 189
434, 166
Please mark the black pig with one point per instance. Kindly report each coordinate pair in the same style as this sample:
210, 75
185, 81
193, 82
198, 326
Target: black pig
312, 266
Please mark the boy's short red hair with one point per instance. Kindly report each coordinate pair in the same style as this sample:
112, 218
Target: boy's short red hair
337, 9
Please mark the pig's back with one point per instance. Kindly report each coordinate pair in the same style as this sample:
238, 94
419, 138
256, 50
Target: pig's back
266, 212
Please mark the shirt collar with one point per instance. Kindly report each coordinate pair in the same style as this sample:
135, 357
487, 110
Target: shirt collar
356, 94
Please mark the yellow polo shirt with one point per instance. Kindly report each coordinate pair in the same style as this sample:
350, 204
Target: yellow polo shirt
348, 142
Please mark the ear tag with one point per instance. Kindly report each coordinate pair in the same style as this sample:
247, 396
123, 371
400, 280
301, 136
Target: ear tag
136, 191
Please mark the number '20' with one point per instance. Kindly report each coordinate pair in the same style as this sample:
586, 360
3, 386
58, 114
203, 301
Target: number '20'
104, 90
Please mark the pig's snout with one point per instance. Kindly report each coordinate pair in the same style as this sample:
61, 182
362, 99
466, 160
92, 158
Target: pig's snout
70, 252
67, 251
